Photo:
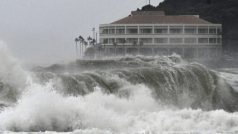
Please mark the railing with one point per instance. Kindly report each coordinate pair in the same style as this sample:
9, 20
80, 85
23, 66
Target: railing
204, 30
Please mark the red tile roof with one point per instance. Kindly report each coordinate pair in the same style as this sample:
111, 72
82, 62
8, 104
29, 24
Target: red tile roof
158, 17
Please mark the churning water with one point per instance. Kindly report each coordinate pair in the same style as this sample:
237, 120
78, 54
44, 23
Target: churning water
130, 95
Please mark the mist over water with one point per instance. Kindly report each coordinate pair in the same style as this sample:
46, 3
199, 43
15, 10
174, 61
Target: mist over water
117, 96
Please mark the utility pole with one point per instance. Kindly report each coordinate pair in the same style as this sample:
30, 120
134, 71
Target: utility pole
146, 1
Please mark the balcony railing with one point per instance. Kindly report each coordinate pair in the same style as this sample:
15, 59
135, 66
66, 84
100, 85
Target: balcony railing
161, 30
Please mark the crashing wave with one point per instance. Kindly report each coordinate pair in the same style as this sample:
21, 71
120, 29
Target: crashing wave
171, 81
116, 95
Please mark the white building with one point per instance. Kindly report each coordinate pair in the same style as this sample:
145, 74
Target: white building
154, 33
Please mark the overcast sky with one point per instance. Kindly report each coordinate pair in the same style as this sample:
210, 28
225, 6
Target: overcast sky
43, 31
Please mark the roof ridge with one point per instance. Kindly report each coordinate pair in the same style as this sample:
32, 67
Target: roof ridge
161, 19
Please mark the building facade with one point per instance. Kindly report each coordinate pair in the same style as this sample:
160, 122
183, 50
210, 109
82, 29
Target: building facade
154, 33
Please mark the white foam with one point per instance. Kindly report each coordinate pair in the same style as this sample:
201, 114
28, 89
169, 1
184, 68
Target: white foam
13, 79
231, 78
42, 108
10, 70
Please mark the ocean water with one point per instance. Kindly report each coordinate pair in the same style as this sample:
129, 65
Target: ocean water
123, 95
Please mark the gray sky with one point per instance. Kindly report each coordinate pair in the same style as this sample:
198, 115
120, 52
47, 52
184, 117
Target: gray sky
43, 31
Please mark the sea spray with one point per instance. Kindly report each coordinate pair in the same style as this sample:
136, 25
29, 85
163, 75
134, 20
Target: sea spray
42, 108
184, 85
13, 78
138, 95
10, 70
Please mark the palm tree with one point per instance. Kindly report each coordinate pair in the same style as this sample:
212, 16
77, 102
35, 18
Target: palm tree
89, 39
83, 46
81, 40
93, 41
76, 46
85, 43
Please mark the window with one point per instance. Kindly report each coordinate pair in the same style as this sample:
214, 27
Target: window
132, 30
132, 40
111, 40
212, 30
190, 40
161, 40
212, 40
103, 31
146, 30
121, 40
176, 40
111, 30
176, 30
202, 40
120, 30
190, 30
161, 30
203, 30
146, 40
105, 41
